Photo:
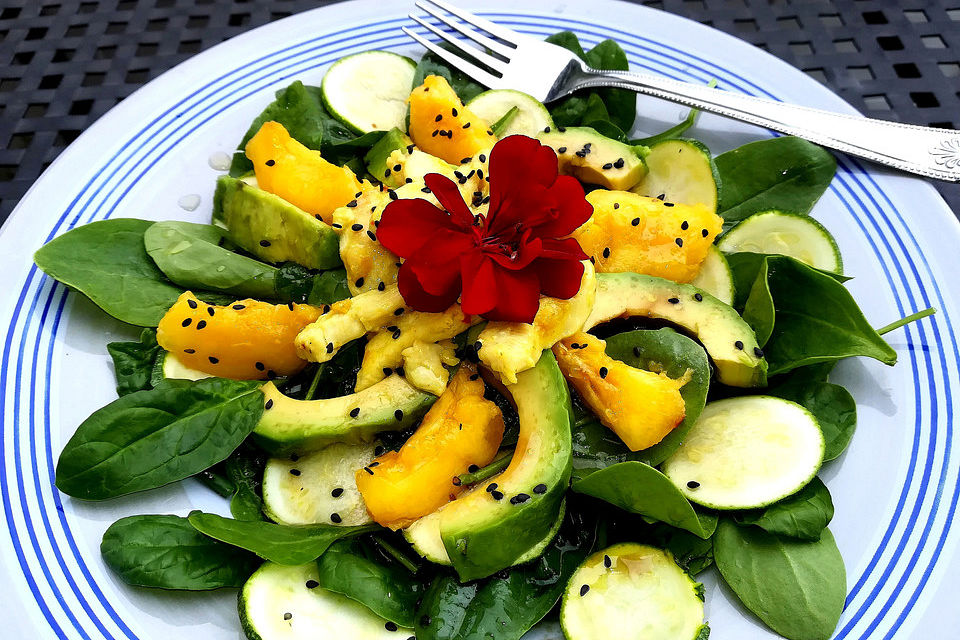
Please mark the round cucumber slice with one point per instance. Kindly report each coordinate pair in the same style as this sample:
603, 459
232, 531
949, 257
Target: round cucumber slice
368, 91
789, 234
315, 487
683, 171
532, 117
282, 603
632, 591
747, 453
715, 276
170, 366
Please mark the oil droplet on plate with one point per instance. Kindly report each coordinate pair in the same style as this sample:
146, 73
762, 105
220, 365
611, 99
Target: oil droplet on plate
219, 161
189, 202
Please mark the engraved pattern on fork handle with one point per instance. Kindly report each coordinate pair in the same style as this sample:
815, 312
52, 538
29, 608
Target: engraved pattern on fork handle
926, 151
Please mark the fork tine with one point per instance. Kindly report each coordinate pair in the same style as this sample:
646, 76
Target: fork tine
507, 35
467, 49
464, 30
472, 70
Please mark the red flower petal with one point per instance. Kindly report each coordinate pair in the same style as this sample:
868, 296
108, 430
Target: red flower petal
517, 163
415, 296
450, 198
527, 250
566, 248
558, 278
566, 195
518, 296
407, 225
437, 264
479, 283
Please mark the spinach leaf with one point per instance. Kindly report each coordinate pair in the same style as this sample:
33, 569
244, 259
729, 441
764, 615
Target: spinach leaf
832, 406
783, 173
297, 283
167, 553
817, 320
796, 587
509, 603
693, 553
289, 545
191, 255
147, 439
621, 103
299, 110
463, 85
342, 150
758, 309
107, 262
639, 488
133, 362
359, 571
675, 354
745, 268
244, 468
803, 515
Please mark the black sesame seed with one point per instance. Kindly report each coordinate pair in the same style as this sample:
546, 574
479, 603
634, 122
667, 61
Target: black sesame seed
603, 372
379, 450
335, 518
213, 360
381, 286
270, 163
326, 308
264, 243
186, 323
334, 225
546, 130
438, 118
616, 205
467, 126
201, 324
491, 487
405, 181
684, 225
386, 174
317, 216
496, 495
329, 347
336, 493
477, 345
520, 498
608, 166
474, 377
606, 252
581, 154
456, 481
398, 312
397, 167
540, 489
757, 351
562, 150
290, 306
673, 300
271, 374
357, 227
287, 616
190, 351
396, 334
562, 129
668, 204
661, 196
489, 132
312, 584
619, 163
607, 562
693, 484
465, 160
359, 282
393, 195
593, 260
368, 470
698, 297
269, 404
192, 304
354, 412
434, 134
371, 235
425, 189
704, 233
391, 626
294, 457
679, 242
738, 344
373, 464
473, 468
584, 589
483, 158
635, 221
238, 307
410, 148
295, 472
352, 204
398, 414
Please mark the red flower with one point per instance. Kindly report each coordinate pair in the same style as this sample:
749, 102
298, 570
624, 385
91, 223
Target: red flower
499, 265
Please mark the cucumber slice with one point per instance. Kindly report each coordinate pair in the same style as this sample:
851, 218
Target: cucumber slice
281, 603
683, 171
168, 365
311, 488
789, 234
747, 453
632, 591
532, 117
715, 276
424, 536
368, 91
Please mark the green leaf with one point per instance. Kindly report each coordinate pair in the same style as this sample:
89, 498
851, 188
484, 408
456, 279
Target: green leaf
346, 150
621, 103
783, 173
832, 406
758, 310
797, 588
504, 121
289, 545
356, 569
693, 553
803, 515
244, 468
150, 438
133, 362
297, 283
569, 41
299, 110
107, 262
167, 553
463, 85
191, 255
639, 488
506, 605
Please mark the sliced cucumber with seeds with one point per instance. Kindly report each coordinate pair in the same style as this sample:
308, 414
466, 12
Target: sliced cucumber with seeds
368, 91
318, 487
683, 171
715, 276
632, 591
747, 453
285, 603
168, 365
789, 234
531, 118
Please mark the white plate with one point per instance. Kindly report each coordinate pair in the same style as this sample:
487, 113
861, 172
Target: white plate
896, 489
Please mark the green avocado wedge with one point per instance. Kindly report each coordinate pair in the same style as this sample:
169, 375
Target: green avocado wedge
491, 527
271, 228
728, 340
289, 425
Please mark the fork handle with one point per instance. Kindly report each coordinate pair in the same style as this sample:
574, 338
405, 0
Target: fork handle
927, 151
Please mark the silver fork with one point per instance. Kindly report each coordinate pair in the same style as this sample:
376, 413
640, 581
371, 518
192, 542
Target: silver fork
548, 72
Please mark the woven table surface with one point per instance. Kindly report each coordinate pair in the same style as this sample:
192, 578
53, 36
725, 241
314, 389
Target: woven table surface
64, 63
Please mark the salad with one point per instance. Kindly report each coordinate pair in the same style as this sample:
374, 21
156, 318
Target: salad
460, 362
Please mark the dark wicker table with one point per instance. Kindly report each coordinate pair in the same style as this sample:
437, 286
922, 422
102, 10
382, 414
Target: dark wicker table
64, 63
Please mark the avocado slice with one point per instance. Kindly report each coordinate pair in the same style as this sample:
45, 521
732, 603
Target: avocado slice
376, 159
271, 228
489, 529
290, 425
728, 340
596, 159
